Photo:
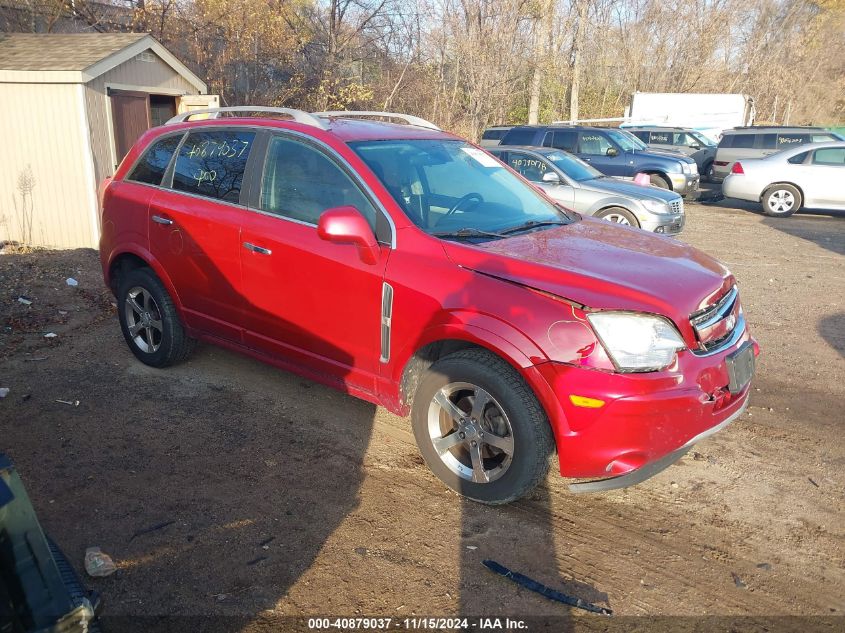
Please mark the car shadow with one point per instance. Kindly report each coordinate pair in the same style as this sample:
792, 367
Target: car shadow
832, 330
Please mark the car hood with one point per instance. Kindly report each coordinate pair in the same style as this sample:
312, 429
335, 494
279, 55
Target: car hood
628, 189
665, 153
603, 266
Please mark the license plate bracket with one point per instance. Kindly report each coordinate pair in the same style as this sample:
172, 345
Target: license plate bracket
741, 366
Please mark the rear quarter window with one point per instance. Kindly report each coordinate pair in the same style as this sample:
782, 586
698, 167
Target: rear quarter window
212, 163
519, 137
150, 169
727, 140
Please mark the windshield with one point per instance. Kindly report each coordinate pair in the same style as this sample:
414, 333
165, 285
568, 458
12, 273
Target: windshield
705, 142
627, 141
445, 186
574, 168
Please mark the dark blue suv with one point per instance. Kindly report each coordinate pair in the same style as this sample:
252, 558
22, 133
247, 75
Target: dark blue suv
613, 152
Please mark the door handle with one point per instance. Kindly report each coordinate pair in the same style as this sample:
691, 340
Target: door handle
160, 220
257, 249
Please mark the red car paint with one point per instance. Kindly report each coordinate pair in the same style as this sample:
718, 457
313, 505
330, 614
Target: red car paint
315, 307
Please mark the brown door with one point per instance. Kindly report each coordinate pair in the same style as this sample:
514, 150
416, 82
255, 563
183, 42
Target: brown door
130, 113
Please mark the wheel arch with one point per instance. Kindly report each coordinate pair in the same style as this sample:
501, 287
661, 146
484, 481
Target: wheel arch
783, 182
122, 261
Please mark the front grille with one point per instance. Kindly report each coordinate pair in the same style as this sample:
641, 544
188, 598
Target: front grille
677, 206
716, 325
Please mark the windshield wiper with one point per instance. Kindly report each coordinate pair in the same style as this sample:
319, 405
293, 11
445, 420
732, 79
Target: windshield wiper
533, 224
468, 232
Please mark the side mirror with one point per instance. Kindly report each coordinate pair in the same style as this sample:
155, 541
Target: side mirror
612, 151
551, 177
346, 225
695, 146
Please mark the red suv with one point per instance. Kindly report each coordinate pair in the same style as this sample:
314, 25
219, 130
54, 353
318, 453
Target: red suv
410, 268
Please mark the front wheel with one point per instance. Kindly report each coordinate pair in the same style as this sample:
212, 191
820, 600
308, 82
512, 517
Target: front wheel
618, 215
480, 428
659, 181
781, 201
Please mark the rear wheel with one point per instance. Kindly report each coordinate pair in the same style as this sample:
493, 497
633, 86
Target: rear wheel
618, 215
709, 172
781, 201
149, 320
480, 428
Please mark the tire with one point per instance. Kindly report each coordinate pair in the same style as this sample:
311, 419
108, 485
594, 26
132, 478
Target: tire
659, 181
512, 416
781, 201
143, 303
618, 215
709, 173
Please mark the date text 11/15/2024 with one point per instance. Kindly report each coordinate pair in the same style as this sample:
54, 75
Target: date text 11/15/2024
416, 624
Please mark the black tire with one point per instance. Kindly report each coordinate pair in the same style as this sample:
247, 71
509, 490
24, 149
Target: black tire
708, 172
170, 343
781, 201
613, 213
659, 181
530, 432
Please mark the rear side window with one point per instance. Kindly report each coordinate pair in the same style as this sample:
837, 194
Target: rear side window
212, 163
562, 139
791, 140
743, 140
661, 138
493, 134
643, 136
150, 169
300, 182
834, 156
519, 137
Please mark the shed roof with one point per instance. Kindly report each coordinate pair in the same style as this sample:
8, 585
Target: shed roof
77, 57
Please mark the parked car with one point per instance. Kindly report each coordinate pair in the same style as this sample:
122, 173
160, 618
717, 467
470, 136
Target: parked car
806, 176
680, 139
582, 188
493, 135
756, 142
613, 152
410, 268
39, 589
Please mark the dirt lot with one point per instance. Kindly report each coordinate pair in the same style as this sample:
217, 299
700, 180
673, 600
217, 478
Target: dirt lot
284, 497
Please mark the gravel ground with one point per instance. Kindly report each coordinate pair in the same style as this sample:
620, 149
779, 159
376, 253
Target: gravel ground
272, 495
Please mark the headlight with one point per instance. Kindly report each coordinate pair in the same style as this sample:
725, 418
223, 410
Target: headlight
686, 168
637, 342
693, 168
656, 206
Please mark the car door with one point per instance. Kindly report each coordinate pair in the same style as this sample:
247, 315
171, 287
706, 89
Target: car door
194, 224
823, 178
533, 168
593, 147
312, 302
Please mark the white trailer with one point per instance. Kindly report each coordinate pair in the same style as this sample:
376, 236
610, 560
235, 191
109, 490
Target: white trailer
710, 113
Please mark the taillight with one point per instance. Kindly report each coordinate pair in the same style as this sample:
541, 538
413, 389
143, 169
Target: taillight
737, 168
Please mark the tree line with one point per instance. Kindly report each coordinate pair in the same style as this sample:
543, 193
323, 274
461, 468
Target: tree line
467, 64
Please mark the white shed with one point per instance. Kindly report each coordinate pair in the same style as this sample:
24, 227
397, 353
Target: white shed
71, 106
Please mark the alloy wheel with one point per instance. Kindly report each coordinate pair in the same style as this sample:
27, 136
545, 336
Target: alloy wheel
781, 201
143, 319
470, 432
617, 218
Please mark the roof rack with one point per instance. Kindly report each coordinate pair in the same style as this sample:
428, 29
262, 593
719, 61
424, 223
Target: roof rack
297, 115
409, 119
776, 127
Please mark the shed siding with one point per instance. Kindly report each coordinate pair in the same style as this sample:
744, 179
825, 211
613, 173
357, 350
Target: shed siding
43, 142
147, 75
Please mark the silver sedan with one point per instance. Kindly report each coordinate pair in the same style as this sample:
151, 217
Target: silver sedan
582, 188
806, 176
